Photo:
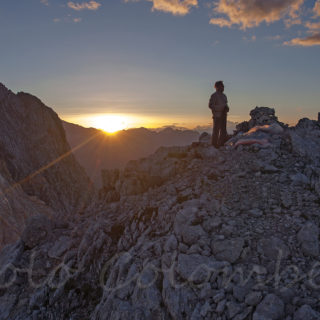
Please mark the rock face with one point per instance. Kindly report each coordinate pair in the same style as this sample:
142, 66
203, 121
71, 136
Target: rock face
38, 174
188, 233
16, 207
36, 153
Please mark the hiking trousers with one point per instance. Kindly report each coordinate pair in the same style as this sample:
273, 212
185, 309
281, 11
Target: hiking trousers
219, 132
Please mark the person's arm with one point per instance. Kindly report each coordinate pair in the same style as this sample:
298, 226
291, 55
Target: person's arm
227, 105
211, 102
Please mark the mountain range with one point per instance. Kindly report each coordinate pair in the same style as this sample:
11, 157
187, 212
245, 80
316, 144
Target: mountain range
96, 150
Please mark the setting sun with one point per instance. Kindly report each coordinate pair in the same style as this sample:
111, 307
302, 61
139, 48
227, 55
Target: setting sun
109, 123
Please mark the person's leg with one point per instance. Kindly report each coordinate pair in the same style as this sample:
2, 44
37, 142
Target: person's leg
215, 132
219, 126
223, 130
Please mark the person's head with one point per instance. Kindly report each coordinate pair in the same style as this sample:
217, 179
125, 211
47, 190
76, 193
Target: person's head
219, 86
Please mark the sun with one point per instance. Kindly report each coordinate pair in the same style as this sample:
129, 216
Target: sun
109, 123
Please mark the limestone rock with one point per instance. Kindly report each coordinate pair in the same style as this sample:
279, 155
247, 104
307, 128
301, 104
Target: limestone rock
306, 313
37, 230
273, 248
39, 156
271, 308
227, 250
38, 173
308, 237
253, 298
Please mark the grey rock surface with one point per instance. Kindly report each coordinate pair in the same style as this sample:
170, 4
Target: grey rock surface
306, 313
308, 237
271, 308
38, 157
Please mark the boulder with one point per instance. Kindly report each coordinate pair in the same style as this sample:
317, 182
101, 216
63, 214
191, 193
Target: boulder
272, 248
227, 250
306, 313
308, 237
271, 308
38, 229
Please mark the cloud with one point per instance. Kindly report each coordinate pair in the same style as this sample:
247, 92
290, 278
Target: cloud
251, 13
313, 31
175, 7
77, 20
313, 26
250, 39
221, 22
45, 2
90, 5
313, 40
56, 20
246, 14
316, 8
273, 38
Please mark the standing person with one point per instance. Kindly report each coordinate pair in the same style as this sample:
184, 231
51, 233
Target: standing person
219, 105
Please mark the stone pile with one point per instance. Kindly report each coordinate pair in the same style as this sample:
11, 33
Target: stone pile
259, 116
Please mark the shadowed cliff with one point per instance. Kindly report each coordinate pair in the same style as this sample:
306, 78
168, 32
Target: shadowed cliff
39, 173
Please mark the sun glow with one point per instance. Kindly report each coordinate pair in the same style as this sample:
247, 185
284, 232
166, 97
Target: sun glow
109, 123
113, 122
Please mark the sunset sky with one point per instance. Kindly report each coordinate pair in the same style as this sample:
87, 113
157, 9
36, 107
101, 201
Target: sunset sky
153, 62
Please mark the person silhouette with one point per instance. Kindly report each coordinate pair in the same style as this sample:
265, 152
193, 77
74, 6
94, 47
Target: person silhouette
218, 103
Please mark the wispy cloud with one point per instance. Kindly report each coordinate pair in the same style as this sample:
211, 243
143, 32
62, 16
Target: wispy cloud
250, 39
313, 31
313, 26
45, 2
67, 19
316, 9
175, 7
274, 38
313, 40
248, 14
90, 5
245, 14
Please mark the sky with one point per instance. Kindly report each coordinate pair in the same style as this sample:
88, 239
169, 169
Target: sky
154, 62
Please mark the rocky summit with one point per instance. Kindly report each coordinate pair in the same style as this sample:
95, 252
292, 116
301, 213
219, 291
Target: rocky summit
190, 232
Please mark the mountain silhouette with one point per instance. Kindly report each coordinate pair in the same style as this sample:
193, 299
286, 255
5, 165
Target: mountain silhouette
104, 151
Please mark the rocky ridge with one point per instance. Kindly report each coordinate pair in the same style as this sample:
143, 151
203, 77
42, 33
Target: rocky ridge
188, 233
